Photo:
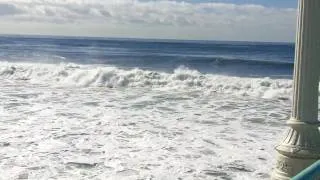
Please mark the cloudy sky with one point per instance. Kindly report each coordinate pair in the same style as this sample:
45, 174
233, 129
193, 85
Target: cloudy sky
249, 20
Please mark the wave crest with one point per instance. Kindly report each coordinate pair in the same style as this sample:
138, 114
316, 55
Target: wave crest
182, 78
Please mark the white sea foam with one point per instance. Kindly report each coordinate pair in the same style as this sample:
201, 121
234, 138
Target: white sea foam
72, 121
113, 77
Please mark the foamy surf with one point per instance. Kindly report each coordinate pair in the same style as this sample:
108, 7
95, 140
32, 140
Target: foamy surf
113, 77
70, 121
96, 116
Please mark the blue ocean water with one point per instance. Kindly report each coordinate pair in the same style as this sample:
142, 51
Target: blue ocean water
216, 57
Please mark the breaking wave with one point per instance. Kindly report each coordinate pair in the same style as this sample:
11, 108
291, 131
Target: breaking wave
112, 77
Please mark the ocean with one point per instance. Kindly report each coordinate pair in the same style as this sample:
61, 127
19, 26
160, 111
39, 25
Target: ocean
107, 108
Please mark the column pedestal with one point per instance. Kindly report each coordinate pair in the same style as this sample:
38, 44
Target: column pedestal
299, 149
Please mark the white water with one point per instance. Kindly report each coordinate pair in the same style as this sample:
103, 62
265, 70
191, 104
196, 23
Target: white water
73, 75
72, 121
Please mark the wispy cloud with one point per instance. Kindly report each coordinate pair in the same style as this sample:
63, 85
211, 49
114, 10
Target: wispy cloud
153, 13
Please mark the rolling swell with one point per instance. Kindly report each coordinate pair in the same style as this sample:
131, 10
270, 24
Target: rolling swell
207, 64
195, 59
245, 59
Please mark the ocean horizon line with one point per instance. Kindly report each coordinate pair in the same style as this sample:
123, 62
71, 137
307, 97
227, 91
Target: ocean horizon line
142, 39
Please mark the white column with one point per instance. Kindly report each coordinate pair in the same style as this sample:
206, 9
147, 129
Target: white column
301, 145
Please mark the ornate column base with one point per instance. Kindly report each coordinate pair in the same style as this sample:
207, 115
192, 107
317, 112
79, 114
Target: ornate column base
299, 149
287, 167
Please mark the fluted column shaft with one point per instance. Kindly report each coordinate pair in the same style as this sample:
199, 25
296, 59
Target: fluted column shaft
301, 144
307, 62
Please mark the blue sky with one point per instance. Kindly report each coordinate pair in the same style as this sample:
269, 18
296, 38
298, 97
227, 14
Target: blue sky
236, 20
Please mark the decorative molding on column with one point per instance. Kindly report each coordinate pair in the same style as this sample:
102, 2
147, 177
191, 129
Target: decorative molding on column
299, 149
300, 140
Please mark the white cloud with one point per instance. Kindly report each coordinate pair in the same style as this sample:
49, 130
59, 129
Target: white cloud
7, 9
219, 17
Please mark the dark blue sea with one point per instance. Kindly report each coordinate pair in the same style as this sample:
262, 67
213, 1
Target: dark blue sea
216, 57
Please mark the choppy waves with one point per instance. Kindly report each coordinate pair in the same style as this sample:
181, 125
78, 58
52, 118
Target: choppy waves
113, 77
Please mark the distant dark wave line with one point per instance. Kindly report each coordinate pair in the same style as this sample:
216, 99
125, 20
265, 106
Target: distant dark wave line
192, 60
